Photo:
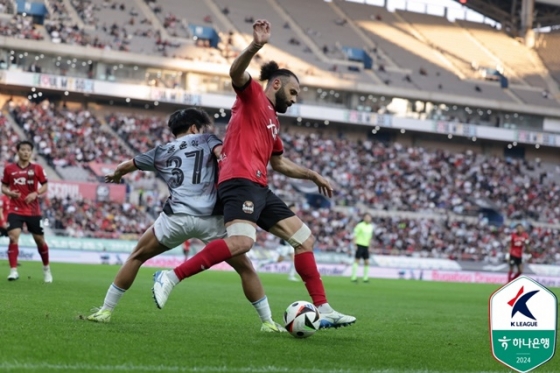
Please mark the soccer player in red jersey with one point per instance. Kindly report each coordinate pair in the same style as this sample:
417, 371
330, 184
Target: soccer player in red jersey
519, 242
251, 142
21, 184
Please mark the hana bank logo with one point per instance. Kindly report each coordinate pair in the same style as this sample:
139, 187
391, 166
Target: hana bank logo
519, 306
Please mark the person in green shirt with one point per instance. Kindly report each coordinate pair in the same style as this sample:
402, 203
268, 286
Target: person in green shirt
363, 233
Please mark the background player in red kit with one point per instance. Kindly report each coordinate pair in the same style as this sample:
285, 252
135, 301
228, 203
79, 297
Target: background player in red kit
251, 142
519, 241
21, 183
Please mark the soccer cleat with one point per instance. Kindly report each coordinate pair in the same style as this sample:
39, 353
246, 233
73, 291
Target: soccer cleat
335, 320
293, 278
13, 275
100, 316
162, 288
272, 327
47, 275
354, 280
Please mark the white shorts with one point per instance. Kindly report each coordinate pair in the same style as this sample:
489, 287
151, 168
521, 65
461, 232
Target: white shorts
172, 231
285, 250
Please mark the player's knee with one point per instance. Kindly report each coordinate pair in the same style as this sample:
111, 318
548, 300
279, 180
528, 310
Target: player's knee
239, 244
14, 238
241, 237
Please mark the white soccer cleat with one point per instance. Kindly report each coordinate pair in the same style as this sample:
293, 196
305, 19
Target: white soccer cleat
162, 288
335, 320
13, 275
47, 275
293, 278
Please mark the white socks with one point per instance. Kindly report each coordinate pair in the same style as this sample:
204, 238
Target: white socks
263, 309
113, 296
325, 308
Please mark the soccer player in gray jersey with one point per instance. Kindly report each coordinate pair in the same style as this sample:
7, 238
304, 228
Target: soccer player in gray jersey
189, 167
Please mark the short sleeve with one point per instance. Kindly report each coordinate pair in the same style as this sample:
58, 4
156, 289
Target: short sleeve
249, 91
41, 174
6, 179
278, 147
213, 141
146, 161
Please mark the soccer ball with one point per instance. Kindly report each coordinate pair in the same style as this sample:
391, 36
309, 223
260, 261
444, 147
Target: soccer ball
302, 319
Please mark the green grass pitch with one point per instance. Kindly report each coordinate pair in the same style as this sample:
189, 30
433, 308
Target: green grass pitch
208, 326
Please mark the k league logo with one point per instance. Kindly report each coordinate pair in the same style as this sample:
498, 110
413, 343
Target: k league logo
523, 323
519, 306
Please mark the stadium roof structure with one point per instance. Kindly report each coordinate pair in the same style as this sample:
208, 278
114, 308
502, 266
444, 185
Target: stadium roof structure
508, 12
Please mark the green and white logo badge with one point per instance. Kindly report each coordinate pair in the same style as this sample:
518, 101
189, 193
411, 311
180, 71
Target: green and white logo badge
523, 323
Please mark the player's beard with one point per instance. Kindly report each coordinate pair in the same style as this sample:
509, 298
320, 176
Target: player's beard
281, 104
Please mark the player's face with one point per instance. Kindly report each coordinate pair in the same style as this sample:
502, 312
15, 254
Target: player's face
24, 153
520, 229
367, 218
286, 95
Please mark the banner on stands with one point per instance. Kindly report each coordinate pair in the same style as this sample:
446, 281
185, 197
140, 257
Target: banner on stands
91, 191
64, 83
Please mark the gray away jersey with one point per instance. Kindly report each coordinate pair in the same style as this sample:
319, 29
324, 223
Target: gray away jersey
189, 168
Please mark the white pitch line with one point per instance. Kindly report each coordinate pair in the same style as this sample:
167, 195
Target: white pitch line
19, 366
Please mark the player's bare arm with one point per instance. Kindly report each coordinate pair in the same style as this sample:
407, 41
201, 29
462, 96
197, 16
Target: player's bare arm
10, 193
286, 167
261, 35
218, 151
33, 196
122, 169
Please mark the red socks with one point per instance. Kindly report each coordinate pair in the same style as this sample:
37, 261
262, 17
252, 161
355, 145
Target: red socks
13, 252
516, 275
510, 276
215, 252
44, 252
307, 269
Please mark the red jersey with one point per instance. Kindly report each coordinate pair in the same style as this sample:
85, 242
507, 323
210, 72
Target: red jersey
251, 138
25, 181
5, 206
518, 242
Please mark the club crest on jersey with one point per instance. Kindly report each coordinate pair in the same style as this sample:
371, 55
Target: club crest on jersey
248, 207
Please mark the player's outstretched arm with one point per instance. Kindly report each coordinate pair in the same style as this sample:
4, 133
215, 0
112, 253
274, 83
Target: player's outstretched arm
286, 167
124, 168
261, 35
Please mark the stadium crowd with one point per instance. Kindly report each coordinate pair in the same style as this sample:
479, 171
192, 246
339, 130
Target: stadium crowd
84, 218
68, 137
396, 177
381, 176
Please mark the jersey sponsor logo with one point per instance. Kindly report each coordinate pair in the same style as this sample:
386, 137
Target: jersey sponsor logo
273, 129
30, 173
248, 207
20, 181
259, 173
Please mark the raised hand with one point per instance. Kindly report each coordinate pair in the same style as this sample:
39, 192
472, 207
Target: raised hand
261, 31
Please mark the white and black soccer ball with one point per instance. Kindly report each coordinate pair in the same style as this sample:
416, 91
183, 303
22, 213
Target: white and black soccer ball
302, 319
